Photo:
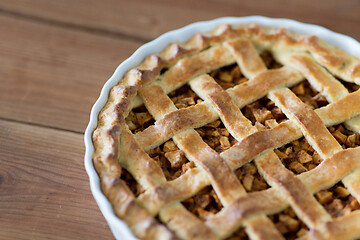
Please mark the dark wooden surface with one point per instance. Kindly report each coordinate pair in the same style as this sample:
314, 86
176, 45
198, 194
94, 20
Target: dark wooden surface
54, 58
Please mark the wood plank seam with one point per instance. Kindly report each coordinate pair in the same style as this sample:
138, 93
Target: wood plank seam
77, 27
40, 125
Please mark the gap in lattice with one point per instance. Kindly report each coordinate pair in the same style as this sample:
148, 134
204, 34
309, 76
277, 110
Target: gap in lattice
346, 138
139, 119
298, 156
250, 178
351, 87
216, 136
184, 97
309, 95
204, 204
263, 114
171, 159
269, 60
163, 70
337, 200
228, 76
288, 224
130, 181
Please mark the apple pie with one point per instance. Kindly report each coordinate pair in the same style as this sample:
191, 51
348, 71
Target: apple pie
246, 132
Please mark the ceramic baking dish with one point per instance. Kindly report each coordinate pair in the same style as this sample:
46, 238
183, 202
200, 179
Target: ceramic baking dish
118, 227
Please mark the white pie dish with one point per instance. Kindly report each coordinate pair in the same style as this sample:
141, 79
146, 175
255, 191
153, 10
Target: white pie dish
119, 228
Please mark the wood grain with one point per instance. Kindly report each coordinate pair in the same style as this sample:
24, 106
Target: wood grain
52, 76
44, 190
148, 19
55, 57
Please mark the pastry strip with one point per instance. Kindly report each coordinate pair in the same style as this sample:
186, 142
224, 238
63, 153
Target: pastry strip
246, 57
310, 123
111, 125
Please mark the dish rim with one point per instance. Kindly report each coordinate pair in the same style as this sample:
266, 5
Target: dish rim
119, 229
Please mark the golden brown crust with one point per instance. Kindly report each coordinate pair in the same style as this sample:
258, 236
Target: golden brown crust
346, 227
323, 81
229, 218
152, 93
310, 123
262, 228
179, 189
223, 180
172, 123
176, 217
299, 197
259, 142
346, 108
303, 57
330, 172
260, 85
246, 56
140, 222
133, 158
196, 65
226, 108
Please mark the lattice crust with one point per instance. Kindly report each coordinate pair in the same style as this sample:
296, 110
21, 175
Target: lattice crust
301, 57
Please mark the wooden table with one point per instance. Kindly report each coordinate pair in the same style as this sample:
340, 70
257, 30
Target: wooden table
54, 58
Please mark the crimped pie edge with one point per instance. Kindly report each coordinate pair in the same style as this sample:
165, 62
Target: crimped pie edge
94, 180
